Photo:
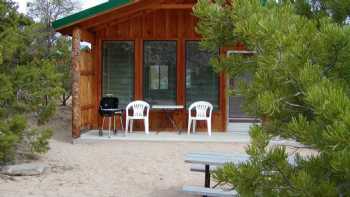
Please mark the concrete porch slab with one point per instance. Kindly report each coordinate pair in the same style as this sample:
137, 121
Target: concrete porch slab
226, 137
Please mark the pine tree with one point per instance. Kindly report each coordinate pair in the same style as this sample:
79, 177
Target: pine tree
27, 77
315, 9
56, 47
61, 56
47, 11
300, 86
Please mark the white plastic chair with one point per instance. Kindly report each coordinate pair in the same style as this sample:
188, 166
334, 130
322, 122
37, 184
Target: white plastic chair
203, 111
138, 108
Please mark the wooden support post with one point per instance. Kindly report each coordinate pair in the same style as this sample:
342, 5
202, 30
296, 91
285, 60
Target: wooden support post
75, 70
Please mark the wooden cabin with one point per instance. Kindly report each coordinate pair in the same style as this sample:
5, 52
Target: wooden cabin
142, 50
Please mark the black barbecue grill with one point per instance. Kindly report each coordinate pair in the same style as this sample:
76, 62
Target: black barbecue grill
109, 108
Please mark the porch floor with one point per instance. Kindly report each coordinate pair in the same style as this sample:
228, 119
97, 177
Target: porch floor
163, 136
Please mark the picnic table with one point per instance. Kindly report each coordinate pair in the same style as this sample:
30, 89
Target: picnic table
168, 109
214, 159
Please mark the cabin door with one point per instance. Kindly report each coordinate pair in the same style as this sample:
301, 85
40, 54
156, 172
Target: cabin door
236, 112
238, 120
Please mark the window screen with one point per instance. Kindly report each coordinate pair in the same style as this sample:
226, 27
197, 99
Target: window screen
160, 72
118, 70
202, 83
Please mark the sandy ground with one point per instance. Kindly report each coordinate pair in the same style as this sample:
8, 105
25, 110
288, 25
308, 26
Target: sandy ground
111, 169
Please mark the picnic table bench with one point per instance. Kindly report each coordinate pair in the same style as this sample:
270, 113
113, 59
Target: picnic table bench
209, 191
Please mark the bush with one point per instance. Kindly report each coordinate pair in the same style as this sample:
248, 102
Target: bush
40, 142
16, 137
8, 142
46, 112
11, 134
30, 84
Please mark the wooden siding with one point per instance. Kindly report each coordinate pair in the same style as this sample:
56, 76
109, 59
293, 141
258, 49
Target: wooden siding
154, 25
87, 90
150, 24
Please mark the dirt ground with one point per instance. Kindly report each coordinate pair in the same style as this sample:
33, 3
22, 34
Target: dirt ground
111, 169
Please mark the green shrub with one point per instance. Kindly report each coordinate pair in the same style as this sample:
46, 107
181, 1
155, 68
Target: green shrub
15, 136
46, 112
30, 83
8, 142
11, 132
40, 140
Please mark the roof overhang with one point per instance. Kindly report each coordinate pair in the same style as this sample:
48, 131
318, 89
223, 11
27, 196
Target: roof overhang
109, 11
65, 23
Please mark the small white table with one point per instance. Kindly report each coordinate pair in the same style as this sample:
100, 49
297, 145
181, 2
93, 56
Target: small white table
167, 109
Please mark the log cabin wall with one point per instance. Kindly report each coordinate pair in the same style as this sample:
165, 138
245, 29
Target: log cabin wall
155, 24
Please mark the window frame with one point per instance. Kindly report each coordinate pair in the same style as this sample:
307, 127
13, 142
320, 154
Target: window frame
159, 76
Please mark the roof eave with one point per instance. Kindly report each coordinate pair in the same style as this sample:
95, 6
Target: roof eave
87, 14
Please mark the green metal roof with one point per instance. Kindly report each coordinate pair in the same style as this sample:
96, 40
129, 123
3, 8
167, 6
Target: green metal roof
85, 14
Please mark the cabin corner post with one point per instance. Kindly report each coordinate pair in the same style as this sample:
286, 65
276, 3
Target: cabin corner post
75, 71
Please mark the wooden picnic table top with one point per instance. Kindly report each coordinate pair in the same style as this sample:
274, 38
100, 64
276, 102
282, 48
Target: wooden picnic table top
212, 158
219, 159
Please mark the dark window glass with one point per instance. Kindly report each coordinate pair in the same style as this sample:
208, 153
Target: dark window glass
236, 102
202, 83
160, 72
118, 70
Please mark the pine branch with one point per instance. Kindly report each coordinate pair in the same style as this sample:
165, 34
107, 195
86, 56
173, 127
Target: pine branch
285, 178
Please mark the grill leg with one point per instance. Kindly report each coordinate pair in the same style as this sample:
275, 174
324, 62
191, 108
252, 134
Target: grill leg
115, 129
109, 127
100, 132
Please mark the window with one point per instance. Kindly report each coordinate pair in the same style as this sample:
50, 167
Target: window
202, 83
118, 70
160, 72
159, 77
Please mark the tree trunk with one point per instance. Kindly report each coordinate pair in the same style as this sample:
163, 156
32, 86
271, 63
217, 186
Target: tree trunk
65, 99
76, 83
46, 100
64, 102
